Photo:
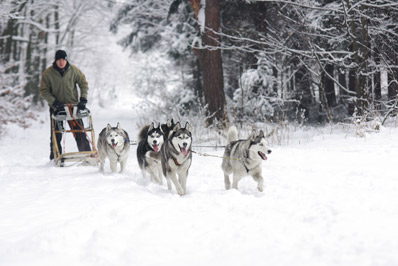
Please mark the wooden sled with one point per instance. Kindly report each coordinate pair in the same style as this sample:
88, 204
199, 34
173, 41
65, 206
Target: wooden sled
72, 113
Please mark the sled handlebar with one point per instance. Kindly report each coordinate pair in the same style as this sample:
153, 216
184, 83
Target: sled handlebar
67, 115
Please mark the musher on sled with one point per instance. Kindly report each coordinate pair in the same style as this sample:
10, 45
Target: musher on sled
58, 86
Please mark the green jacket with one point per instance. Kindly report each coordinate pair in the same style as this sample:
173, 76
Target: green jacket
53, 86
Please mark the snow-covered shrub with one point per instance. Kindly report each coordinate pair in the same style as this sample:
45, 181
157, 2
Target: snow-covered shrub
256, 99
14, 106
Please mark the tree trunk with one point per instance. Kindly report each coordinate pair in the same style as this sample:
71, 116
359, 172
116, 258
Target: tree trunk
56, 25
342, 94
359, 55
392, 85
376, 86
328, 84
211, 62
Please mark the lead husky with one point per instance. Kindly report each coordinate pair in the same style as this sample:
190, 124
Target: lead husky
114, 143
244, 157
150, 140
176, 157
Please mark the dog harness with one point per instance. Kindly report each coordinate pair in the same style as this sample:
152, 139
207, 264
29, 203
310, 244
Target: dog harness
118, 155
176, 162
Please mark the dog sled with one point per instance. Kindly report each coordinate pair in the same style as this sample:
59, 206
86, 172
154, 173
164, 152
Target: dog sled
70, 115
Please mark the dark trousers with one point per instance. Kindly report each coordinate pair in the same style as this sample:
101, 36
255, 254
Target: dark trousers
81, 139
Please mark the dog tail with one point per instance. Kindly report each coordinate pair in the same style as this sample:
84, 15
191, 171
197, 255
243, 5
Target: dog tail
232, 134
142, 132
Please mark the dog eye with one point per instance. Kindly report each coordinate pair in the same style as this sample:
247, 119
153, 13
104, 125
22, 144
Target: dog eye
261, 144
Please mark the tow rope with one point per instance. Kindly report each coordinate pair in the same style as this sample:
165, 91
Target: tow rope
216, 156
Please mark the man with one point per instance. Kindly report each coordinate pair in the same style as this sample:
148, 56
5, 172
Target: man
58, 87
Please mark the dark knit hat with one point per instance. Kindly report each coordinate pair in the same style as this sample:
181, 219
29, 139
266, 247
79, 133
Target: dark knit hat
61, 54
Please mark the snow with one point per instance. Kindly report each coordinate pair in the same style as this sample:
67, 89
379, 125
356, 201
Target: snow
202, 16
330, 198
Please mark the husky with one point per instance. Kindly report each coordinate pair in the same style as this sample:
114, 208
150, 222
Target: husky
243, 158
150, 140
168, 127
176, 157
114, 143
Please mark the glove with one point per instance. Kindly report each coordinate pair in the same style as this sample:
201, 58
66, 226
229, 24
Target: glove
58, 107
82, 104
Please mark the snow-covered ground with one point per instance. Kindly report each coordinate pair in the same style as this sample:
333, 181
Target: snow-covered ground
331, 199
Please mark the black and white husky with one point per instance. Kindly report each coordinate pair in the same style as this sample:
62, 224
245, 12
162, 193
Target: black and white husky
176, 157
244, 157
168, 127
114, 143
150, 141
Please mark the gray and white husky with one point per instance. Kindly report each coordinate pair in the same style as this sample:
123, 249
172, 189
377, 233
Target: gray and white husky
176, 157
114, 143
244, 157
150, 141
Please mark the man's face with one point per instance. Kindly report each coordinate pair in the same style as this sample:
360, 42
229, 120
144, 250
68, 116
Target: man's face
61, 63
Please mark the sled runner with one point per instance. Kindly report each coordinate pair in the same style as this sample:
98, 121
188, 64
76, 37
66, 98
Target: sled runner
76, 119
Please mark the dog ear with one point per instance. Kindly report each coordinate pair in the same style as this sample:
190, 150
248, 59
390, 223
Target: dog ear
108, 127
187, 126
177, 127
159, 126
270, 134
151, 127
253, 134
118, 125
169, 122
261, 134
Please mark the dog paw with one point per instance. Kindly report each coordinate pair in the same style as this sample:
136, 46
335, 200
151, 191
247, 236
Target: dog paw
181, 192
260, 188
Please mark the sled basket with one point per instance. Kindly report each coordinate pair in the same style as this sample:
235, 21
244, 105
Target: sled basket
60, 119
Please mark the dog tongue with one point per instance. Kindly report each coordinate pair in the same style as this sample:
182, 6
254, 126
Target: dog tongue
114, 145
262, 155
155, 148
184, 151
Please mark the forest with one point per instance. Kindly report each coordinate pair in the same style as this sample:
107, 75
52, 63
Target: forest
316, 62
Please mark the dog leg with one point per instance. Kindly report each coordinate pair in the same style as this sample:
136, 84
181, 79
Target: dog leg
160, 175
168, 184
122, 166
154, 177
236, 179
183, 181
260, 181
113, 164
177, 185
102, 162
143, 174
227, 182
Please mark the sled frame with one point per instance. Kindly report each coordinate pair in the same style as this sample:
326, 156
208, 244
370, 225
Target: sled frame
86, 157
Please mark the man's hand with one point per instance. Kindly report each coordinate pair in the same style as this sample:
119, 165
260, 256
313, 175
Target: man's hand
58, 106
82, 104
